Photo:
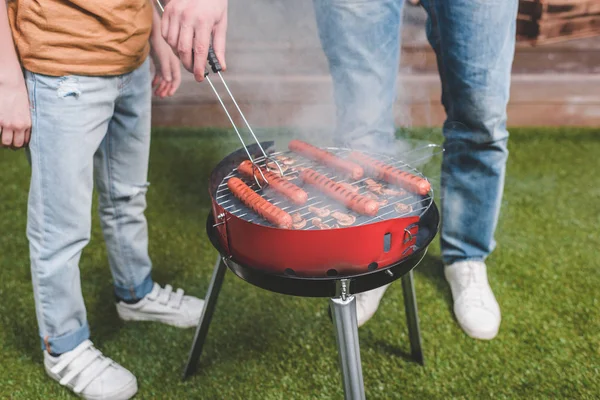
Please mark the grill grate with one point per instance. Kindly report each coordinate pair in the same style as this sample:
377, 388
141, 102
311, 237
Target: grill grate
419, 204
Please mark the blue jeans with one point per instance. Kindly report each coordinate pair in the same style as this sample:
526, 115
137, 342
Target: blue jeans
86, 129
474, 42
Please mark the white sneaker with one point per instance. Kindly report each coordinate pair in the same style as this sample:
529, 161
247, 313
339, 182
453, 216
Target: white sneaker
367, 304
475, 306
90, 375
164, 305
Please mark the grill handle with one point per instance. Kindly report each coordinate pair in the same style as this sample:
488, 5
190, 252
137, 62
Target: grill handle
215, 65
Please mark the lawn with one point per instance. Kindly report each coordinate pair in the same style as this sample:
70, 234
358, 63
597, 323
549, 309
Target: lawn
545, 273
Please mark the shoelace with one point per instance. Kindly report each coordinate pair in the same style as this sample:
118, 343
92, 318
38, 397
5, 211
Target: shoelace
165, 296
472, 285
88, 357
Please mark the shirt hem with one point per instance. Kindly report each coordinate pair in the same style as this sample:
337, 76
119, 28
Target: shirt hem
42, 68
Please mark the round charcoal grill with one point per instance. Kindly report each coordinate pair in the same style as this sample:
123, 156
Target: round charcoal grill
371, 243
340, 260
336, 263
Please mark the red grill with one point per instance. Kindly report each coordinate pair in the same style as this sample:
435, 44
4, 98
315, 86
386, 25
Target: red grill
370, 243
347, 251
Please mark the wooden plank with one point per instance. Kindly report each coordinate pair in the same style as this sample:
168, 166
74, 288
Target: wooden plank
417, 115
527, 28
557, 39
541, 10
530, 10
581, 56
554, 28
557, 100
411, 89
564, 28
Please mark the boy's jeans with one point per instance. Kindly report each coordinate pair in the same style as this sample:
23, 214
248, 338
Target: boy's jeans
474, 41
85, 129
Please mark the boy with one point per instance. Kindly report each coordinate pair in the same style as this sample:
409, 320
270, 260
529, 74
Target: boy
83, 107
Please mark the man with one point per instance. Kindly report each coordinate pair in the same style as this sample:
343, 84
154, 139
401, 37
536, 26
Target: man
83, 108
474, 42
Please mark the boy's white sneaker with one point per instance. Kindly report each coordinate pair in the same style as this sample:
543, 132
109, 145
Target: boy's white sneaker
475, 306
91, 375
367, 304
164, 305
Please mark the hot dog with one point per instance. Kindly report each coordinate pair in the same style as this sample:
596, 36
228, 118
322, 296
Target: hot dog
262, 207
324, 157
339, 192
393, 175
281, 185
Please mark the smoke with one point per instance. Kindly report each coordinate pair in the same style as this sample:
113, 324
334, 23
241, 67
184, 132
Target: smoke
274, 49
279, 74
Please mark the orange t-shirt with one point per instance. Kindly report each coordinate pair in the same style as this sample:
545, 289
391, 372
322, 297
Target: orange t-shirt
81, 37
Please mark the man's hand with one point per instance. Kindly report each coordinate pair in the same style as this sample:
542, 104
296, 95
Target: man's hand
167, 77
15, 117
187, 25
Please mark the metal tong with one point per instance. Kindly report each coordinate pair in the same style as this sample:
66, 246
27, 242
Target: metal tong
213, 61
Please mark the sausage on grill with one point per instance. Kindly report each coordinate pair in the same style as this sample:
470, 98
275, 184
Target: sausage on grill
279, 184
339, 192
331, 160
262, 207
393, 175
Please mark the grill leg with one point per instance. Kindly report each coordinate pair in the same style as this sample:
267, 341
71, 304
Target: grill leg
209, 308
412, 317
343, 310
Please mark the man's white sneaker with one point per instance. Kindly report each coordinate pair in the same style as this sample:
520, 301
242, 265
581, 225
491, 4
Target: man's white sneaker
90, 375
367, 304
164, 305
475, 306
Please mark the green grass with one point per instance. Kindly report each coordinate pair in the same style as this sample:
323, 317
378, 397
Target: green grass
545, 273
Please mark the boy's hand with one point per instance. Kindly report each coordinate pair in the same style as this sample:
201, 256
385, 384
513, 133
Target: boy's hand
15, 116
167, 77
188, 25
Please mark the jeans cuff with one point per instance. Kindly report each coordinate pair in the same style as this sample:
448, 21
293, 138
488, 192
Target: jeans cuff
66, 342
135, 292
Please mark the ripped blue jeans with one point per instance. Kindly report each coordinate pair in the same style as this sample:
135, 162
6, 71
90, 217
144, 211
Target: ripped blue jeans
474, 41
85, 130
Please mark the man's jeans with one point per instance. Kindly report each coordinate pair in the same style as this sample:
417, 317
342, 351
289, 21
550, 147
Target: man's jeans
86, 129
474, 42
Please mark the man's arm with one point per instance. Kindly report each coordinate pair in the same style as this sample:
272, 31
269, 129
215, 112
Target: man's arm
189, 25
15, 118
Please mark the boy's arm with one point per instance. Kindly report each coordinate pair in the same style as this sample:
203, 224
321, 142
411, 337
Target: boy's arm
10, 63
167, 77
15, 118
155, 19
